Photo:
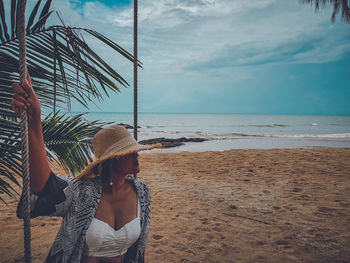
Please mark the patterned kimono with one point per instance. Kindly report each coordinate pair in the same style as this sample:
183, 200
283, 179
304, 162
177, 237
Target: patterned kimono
76, 201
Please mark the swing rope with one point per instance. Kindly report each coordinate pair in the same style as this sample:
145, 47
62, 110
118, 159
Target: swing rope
24, 131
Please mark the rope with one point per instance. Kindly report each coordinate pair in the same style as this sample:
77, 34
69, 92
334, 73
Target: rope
24, 131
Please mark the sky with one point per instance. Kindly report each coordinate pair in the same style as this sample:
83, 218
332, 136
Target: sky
222, 56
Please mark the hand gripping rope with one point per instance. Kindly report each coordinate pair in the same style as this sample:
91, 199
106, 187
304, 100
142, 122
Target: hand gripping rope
24, 131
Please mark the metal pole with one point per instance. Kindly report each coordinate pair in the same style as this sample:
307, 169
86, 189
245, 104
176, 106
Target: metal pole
135, 69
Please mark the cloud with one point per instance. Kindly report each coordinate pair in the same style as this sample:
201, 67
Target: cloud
177, 35
186, 44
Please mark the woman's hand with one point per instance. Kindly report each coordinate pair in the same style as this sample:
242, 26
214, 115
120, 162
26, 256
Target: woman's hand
25, 98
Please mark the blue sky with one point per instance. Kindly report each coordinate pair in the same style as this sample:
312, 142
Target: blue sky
223, 56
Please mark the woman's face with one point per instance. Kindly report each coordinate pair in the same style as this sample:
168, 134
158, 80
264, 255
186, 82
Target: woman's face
127, 164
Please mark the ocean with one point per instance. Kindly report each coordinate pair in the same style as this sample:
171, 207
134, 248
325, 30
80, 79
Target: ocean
235, 131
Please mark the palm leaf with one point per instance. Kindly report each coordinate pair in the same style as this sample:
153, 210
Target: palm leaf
338, 5
13, 17
72, 153
75, 150
80, 70
32, 16
2, 14
44, 13
63, 67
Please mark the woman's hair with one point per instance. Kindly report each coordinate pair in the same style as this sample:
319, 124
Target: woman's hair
105, 169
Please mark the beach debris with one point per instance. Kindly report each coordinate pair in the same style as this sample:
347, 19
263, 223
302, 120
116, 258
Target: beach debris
168, 143
127, 126
233, 206
305, 197
296, 190
157, 237
281, 242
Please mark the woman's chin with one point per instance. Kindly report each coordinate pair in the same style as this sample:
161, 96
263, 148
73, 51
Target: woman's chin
136, 170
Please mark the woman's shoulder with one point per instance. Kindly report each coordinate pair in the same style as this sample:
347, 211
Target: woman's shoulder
84, 186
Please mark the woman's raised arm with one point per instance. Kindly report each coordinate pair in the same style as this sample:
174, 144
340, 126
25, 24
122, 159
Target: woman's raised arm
39, 169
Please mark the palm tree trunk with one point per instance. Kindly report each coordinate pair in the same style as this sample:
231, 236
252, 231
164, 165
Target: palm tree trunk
135, 69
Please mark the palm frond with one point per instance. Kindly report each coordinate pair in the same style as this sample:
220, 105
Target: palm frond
79, 70
10, 147
32, 16
72, 153
68, 140
338, 5
2, 14
63, 67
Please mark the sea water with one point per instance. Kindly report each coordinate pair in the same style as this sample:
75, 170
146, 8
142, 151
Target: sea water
234, 131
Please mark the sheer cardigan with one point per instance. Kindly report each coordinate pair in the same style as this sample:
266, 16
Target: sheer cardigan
76, 201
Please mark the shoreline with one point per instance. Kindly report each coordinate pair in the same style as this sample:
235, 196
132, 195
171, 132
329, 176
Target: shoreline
240, 205
203, 144
252, 144
234, 131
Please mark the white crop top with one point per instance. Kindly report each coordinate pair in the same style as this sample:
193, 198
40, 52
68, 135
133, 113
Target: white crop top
103, 241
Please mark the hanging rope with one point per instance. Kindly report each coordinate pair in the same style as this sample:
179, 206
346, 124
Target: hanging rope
24, 130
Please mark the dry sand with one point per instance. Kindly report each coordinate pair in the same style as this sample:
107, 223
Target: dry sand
281, 205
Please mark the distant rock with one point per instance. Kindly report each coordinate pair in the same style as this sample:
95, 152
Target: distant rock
127, 126
168, 143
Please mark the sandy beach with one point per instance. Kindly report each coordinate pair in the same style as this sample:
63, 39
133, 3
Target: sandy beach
279, 205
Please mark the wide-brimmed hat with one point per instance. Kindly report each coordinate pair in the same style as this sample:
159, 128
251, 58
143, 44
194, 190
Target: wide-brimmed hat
112, 142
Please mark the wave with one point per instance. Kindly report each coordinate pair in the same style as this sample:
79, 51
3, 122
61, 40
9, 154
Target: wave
294, 136
229, 136
334, 135
239, 126
224, 136
265, 125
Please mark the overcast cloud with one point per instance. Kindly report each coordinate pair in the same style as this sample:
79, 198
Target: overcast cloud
200, 51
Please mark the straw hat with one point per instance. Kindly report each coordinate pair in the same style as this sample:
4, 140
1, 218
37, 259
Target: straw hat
111, 142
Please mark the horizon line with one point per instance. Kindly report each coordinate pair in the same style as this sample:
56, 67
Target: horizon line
208, 113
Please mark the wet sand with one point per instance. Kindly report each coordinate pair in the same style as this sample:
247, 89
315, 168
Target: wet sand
280, 205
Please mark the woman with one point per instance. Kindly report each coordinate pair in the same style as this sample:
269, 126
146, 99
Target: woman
105, 210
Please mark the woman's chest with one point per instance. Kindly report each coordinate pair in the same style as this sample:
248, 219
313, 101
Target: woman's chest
117, 211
